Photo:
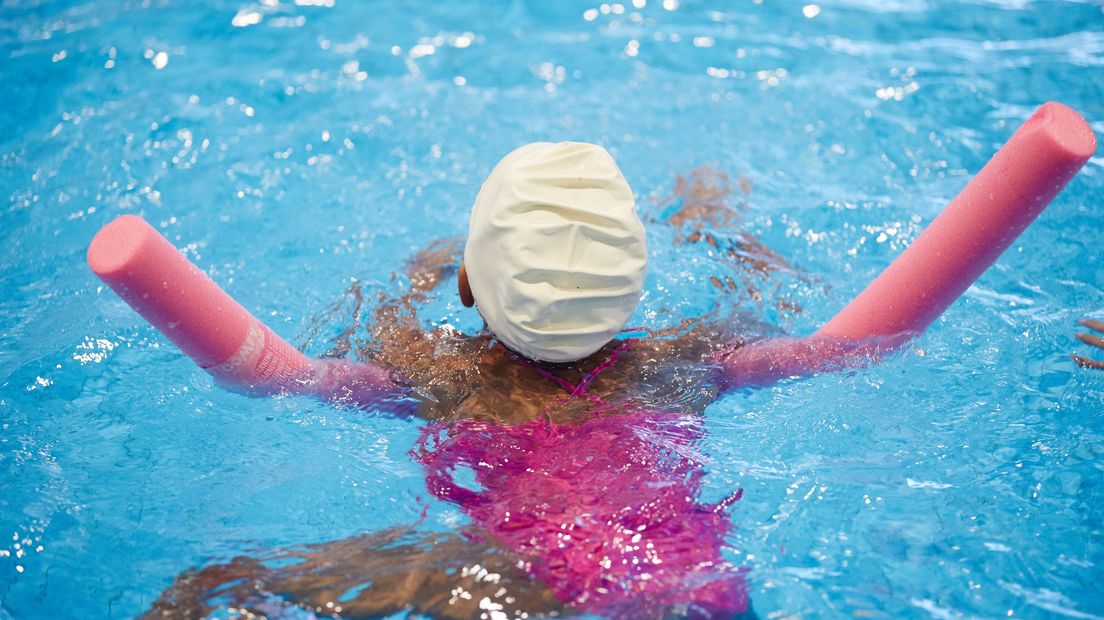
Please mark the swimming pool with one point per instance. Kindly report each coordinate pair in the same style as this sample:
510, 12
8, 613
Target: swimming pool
291, 147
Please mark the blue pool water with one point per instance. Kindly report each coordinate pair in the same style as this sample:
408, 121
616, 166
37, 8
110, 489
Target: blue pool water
291, 147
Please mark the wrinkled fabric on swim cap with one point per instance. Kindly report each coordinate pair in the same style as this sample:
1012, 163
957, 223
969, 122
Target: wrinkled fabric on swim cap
556, 255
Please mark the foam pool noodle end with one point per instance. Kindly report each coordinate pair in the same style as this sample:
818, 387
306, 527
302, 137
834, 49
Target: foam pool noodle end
210, 327
979, 224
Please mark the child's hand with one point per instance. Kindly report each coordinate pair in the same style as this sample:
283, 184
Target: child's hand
1091, 340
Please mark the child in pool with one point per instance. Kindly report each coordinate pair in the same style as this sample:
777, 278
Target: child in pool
586, 498
588, 465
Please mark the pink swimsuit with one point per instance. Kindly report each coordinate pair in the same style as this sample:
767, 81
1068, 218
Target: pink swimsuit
603, 510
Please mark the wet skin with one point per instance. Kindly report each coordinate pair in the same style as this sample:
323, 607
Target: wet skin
1093, 341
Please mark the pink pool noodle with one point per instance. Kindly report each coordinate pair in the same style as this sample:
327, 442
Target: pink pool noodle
973, 230
221, 336
962, 242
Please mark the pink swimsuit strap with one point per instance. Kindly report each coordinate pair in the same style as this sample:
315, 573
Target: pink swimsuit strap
577, 390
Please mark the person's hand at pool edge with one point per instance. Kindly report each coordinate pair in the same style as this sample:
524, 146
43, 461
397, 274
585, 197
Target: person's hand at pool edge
1091, 340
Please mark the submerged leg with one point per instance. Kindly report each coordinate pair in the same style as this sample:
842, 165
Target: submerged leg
373, 575
704, 209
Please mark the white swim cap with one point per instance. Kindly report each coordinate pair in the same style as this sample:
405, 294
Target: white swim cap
556, 254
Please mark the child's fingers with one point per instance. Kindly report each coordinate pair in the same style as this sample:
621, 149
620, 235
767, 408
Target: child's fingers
1093, 325
1088, 363
1091, 340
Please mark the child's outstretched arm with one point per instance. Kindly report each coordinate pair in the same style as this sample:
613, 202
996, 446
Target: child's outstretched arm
961, 243
220, 336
